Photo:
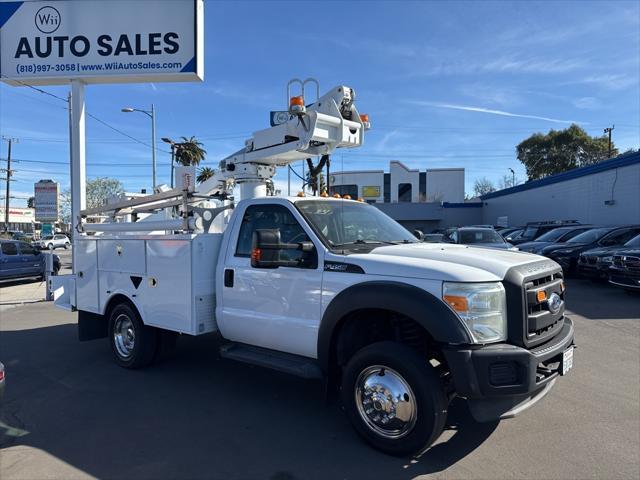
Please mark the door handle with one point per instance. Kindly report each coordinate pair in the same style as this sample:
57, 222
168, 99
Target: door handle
228, 277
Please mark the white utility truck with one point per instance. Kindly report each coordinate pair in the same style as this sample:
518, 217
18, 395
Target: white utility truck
326, 288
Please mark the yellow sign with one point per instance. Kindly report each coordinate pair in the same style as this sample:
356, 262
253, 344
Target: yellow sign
370, 191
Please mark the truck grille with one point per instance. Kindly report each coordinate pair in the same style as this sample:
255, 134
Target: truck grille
532, 321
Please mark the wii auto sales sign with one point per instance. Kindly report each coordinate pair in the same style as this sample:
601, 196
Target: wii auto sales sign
101, 41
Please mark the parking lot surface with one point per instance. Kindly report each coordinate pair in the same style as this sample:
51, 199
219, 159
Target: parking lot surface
70, 412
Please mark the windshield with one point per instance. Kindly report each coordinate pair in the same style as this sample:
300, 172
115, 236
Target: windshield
479, 236
552, 235
530, 232
634, 242
590, 236
343, 223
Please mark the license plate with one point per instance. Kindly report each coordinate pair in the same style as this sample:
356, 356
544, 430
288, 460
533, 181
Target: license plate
567, 361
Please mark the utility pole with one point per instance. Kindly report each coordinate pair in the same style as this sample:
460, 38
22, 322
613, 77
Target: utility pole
8, 191
609, 130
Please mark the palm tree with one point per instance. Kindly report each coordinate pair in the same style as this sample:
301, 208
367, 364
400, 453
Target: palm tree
189, 152
204, 174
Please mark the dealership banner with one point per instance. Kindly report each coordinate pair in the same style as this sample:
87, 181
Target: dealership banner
101, 41
47, 194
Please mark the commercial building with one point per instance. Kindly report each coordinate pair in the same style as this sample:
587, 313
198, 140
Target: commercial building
401, 184
607, 193
22, 219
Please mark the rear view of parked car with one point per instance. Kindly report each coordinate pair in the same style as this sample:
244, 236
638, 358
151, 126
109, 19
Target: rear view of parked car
51, 242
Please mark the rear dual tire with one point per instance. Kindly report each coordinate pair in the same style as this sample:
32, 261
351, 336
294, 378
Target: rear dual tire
394, 398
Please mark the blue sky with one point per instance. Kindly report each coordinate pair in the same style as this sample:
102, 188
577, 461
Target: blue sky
446, 84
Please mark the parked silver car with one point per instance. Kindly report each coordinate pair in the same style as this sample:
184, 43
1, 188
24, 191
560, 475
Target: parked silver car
52, 242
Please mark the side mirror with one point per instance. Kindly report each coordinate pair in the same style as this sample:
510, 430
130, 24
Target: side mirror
266, 249
419, 235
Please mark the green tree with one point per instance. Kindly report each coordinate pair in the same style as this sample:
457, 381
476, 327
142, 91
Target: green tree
98, 191
483, 186
562, 150
189, 152
204, 174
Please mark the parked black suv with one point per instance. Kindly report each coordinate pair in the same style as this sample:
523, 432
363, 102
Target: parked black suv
566, 254
533, 230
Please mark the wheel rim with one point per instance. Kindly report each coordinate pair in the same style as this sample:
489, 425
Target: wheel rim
124, 336
385, 402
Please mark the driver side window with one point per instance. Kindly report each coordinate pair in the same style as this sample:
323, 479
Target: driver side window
258, 217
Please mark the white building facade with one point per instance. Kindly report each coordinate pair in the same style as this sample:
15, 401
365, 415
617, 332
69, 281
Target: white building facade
401, 184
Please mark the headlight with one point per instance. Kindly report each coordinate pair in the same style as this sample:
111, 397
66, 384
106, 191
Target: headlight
481, 306
605, 259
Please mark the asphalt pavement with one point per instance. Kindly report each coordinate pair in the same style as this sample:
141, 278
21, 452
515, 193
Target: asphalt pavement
70, 412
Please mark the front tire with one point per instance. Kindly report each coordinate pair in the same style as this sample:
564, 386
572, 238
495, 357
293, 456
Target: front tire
66, 246
133, 343
50, 246
394, 398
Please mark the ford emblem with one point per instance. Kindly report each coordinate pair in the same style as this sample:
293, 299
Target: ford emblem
555, 303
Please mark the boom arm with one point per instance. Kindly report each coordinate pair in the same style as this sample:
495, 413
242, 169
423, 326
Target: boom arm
331, 122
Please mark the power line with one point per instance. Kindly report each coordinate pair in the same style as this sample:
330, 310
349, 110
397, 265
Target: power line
39, 90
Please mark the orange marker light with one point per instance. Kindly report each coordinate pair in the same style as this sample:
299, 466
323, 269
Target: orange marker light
336, 195
256, 254
347, 197
459, 304
324, 194
297, 101
360, 199
541, 296
301, 194
364, 117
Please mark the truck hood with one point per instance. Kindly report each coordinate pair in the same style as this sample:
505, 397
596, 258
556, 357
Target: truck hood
441, 261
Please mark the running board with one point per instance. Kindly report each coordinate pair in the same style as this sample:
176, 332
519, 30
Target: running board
263, 357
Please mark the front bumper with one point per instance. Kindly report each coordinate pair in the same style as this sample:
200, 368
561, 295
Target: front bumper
501, 380
594, 270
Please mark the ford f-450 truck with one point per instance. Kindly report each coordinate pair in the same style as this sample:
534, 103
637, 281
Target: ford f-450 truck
329, 288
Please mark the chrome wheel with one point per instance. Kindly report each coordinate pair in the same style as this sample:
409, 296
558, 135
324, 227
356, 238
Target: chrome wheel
124, 336
385, 402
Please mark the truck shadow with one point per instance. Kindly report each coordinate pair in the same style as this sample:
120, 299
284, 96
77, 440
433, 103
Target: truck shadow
195, 416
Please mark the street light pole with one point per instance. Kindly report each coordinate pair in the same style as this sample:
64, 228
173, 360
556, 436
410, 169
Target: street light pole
513, 173
153, 144
152, 115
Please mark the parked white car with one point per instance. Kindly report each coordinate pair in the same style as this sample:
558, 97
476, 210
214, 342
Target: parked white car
52, 242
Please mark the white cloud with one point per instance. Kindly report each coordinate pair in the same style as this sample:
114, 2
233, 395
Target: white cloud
467, 108
588, 103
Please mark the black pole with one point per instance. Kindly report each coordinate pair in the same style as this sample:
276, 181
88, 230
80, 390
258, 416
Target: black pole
173, 154
609, 130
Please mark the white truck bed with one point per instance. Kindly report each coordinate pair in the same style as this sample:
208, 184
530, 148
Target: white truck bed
170, 278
